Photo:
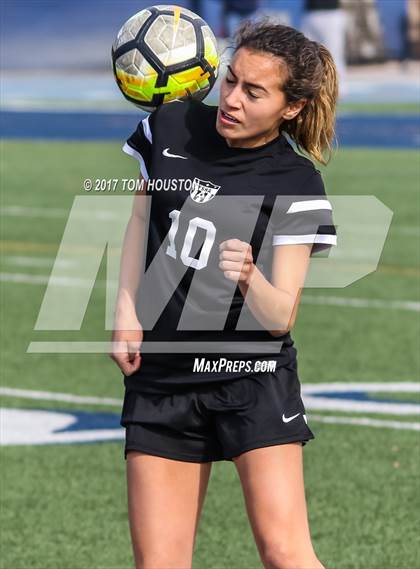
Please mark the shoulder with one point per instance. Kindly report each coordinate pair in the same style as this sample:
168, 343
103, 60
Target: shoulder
301, 172
178, 110
177, 117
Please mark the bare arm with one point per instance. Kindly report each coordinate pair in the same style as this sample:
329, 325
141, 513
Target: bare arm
132, 257
127, 334
274, 304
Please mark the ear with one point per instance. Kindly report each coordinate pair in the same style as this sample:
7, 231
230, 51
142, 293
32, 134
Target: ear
293, 109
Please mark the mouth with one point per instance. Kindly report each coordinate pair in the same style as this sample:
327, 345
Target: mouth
226, 118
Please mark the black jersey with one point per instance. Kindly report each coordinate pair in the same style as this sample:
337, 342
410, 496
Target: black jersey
204, 192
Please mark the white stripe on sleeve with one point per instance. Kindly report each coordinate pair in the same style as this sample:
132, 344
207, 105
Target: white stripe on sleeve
131, 152
297, 239
146, 129
309, 205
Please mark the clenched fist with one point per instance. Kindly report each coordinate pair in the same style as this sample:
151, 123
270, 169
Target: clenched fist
125, 351
236, 260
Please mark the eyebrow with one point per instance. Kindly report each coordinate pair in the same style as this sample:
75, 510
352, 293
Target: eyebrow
255, 85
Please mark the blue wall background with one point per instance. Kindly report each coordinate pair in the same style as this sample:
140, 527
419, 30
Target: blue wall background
77, 33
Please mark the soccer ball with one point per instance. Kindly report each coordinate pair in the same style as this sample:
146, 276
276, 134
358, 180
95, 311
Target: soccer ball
164, 53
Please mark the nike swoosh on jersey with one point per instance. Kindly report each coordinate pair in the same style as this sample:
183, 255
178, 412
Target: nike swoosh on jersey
287, 419
169, 155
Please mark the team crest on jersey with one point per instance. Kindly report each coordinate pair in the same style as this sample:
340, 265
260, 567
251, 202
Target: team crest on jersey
203, 190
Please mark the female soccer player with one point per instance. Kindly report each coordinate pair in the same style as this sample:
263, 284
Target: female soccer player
210, 370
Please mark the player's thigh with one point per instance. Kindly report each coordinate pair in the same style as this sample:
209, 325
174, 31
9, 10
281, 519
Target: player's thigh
165, 498
273, 487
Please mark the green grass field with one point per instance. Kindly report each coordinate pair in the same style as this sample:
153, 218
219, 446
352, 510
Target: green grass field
64, 506
380, 108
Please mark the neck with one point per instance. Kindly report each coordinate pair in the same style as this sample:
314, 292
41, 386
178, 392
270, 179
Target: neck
252, 142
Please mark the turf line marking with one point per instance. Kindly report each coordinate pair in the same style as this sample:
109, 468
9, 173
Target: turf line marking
58, 213
320, 403
410, 305
24, 278
54, 213
19, 211
403, 387
365, 421
48, 426
55, 396
362, 421
315, 396
361, 302
24, 261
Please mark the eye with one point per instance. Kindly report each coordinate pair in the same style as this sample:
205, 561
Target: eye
229, 80
252, 95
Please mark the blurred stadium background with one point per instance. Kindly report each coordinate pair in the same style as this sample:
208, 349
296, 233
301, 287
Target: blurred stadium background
63, 481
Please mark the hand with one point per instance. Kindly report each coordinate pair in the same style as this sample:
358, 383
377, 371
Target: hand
126, 343
236, 260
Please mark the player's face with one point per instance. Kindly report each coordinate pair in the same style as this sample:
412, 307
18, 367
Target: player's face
252, 105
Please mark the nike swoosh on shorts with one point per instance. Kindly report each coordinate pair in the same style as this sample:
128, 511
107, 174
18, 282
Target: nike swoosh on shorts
288, 419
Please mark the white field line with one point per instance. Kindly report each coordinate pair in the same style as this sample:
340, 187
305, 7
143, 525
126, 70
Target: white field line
55, 396
20, 211
312, 397
351, 405
54, 213
24, 261
39, 427
24, 278
77, 437
410, 305
58, 213
310, 402
366, 422
387, 387
308, 388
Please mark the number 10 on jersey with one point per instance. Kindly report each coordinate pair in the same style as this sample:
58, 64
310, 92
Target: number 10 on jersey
193, 225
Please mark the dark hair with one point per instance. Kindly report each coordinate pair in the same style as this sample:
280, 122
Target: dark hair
311, 75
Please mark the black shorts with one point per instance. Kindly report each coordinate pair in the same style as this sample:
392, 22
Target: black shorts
217, 421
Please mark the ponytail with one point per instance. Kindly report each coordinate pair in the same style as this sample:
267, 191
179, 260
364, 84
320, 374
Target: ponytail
312, 76
313, 129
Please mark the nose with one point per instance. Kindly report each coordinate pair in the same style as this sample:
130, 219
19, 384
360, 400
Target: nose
232, 98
